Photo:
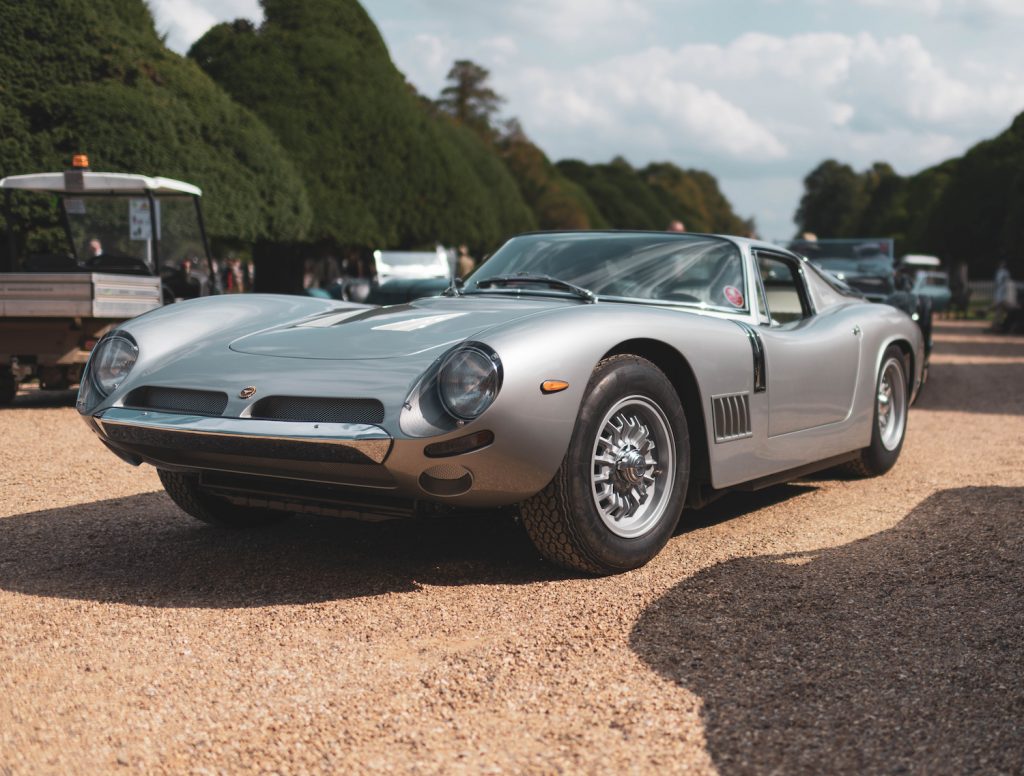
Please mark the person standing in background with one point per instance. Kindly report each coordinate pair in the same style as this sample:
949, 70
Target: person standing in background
465, 263
1004, 295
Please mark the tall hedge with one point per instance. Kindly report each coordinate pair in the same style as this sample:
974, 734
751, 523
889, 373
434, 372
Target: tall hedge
380, 168
93, 76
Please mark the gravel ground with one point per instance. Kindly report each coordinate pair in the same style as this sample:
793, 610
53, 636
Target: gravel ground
831, 625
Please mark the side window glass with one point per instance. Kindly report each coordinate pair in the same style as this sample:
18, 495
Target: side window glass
782, 290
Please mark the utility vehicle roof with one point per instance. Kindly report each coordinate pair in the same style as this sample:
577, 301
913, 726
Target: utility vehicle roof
98, 183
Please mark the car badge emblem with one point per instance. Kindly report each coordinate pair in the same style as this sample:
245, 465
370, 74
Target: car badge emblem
248, 392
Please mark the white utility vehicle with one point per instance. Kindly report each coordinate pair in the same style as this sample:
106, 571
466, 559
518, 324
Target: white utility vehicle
130, 244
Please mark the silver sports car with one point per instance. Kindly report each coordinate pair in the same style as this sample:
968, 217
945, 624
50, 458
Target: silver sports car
596, 382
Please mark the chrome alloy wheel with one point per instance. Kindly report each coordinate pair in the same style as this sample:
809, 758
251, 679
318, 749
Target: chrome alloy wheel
633, 467
892, 404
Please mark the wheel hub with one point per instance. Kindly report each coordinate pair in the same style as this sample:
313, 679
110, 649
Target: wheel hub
626, 465
631, 467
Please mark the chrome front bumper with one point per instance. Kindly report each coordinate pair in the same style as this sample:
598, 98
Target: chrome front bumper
323, 442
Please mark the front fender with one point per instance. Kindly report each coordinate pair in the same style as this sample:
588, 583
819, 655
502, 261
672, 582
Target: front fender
536, 427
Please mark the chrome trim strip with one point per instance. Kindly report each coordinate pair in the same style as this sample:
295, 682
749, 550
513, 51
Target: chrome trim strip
372, 441
757, 347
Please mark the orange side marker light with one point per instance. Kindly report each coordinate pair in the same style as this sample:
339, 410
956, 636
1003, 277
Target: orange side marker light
553, 386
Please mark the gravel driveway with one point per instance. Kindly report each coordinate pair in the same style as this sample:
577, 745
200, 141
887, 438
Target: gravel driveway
825, 626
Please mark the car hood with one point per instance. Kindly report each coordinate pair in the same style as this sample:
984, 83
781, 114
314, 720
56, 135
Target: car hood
388, 332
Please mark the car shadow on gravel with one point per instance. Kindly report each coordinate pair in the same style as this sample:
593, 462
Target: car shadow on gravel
142, 550
898, 653
738, 503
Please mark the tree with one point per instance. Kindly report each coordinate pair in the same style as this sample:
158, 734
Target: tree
885, 211
652, 197
556, 201
468, 98
833, 202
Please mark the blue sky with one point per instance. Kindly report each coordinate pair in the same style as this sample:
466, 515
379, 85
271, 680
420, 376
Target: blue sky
755, 91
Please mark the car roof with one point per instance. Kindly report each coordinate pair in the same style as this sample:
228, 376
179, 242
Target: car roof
920, 260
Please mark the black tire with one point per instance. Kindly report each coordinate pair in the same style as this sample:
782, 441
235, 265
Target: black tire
186, 492
881, 455
566, 522
925, 316
8, 387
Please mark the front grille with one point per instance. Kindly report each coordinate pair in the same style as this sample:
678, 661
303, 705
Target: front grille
732, 416
318, 410
184, 400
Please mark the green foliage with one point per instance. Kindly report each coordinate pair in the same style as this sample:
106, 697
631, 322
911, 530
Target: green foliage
653, 197
969, 209
833, 202
979, 215
380, 168
557, 201
468, 98
694, 196
622, 196
92, 76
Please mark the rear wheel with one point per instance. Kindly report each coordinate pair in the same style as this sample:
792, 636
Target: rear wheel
187, 493
890, 417
618, 494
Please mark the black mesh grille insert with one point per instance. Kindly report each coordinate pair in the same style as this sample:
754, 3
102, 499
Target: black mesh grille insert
184, 400
319, 410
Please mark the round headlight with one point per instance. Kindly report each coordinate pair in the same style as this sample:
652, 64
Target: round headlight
113, 360
469, 381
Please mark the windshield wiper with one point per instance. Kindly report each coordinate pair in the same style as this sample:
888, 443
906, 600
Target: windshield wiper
546, 280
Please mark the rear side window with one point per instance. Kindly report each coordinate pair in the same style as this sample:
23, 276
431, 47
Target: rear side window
783, 289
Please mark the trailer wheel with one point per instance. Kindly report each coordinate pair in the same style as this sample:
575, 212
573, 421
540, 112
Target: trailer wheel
8, 386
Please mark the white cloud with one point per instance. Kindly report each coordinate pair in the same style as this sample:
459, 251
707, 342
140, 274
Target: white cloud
624, 99
987, 10
184, 21
501, 48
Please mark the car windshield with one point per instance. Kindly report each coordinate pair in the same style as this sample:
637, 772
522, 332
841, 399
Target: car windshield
693, 270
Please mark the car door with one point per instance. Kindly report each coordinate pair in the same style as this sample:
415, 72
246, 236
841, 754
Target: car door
811, 360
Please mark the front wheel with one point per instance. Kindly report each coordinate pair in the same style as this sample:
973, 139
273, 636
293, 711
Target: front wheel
618, 494
890, 417
187, 493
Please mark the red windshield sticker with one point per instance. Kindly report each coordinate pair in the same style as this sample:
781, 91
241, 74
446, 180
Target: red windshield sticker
734, 296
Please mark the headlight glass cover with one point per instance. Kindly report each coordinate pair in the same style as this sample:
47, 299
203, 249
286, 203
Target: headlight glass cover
113, 360
469, 381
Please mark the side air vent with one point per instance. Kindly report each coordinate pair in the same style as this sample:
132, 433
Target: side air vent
318, 410
732, 416
183, 400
